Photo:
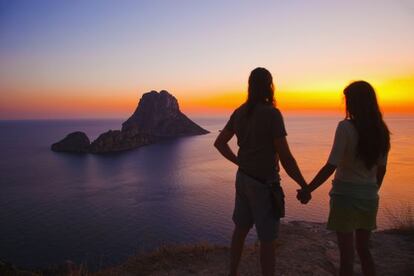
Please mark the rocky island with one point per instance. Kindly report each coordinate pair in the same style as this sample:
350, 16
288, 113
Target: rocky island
157, 117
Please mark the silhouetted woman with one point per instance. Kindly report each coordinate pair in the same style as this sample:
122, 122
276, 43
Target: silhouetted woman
261, 137
359, 156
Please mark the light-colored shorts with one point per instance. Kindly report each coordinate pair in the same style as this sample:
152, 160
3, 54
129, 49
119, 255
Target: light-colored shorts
348, 214
254, 206
353, 206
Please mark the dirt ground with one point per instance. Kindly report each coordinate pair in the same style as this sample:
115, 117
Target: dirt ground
303, 248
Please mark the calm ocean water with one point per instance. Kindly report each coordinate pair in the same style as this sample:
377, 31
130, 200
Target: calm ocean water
100, 209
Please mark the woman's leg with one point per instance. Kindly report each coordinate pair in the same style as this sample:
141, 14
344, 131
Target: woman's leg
237, 243
362, 247
346, 249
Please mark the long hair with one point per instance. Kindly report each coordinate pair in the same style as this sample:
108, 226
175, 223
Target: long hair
363, 111
261, 89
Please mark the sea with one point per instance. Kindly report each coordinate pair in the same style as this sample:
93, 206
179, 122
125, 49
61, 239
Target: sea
97, 210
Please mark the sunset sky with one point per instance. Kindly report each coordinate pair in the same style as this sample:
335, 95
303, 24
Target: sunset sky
94, 59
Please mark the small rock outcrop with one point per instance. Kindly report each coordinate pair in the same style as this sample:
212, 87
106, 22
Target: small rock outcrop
74, 142
117, 140
157, 117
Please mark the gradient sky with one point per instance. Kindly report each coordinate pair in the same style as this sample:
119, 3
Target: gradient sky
80, 59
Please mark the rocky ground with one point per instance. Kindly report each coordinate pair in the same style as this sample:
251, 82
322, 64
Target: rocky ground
303, 249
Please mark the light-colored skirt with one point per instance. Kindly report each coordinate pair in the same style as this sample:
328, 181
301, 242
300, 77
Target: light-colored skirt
353, 206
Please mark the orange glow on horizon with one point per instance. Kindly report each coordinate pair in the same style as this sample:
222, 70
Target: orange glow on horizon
395, 96
395, 102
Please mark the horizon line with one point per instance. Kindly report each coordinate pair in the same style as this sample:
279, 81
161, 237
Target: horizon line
222, 114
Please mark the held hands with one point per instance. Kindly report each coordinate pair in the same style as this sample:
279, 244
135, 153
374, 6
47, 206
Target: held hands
304, 195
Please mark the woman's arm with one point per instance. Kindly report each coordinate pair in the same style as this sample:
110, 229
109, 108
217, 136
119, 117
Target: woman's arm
222, 145
288, 161
336, 155
321, 176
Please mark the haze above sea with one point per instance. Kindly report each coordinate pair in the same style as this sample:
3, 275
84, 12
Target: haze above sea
100, 209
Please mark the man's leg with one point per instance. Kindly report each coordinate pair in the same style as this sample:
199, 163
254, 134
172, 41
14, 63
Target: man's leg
237, 243
346, 249
267, 257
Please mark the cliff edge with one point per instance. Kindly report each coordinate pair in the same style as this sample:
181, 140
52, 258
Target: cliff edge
303, 248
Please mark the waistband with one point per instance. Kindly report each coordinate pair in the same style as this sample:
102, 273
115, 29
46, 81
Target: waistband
260, 180
355, 190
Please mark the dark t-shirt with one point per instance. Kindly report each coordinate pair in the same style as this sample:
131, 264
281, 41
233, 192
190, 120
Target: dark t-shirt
255, 137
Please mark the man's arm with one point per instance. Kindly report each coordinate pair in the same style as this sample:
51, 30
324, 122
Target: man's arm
380, 174
288, 161
223, 147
